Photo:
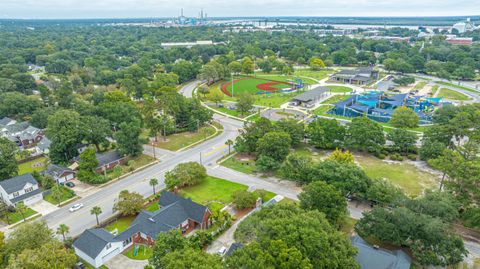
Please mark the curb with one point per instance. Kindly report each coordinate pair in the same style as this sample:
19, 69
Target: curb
217, 132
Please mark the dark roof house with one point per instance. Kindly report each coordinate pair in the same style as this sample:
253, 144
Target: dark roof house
23, 188
370, 257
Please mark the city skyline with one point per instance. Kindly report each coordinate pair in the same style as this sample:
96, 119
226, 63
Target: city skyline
57, 9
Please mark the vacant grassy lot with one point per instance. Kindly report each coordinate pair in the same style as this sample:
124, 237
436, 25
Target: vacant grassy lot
38, 165
246, 166
335, 98
121, 224
340, 89
143, 253
212, 189
412, 180
66, 194
452, 95
177, 141
131, 165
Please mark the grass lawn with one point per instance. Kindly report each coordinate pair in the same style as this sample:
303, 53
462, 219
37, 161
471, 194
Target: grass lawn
340, 89
38, 165
138, 162
66, 194
177, 141
335, 98
420, 85
143, 253
120, 224
212, 189
244, 166
347, 225
319, 75
456, 86
249, 85
88, 266
14, 217
214, 206
153, 207
452, 95
434, 89
408, 177
322, 110
285, 78
274, 99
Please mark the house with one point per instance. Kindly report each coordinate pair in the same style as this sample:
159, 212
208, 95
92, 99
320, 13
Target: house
22, 133
43, 147
106, 161
22, 188
6, 121
369, 256
461, 41
97, 246
310, 98
359, 76
58, 173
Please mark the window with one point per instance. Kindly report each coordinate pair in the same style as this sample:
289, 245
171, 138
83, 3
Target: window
109, 245
15, 194
28, 189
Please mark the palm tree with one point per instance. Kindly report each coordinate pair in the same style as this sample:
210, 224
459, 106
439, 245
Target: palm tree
63, 229
229, 143
153, 182
96, 211
21, 208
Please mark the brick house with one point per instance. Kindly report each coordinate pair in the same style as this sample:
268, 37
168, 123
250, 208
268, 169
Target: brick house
97, 246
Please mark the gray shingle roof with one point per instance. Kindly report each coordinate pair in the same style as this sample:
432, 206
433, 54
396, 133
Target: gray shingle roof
55, 170
369, 257
311, 95
25, 196
92, 241
5, 121
195, 211
17, 183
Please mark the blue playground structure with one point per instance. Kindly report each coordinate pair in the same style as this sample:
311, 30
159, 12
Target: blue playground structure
379, 106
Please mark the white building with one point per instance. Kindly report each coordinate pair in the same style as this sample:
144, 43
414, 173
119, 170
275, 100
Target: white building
22, 188
464, 26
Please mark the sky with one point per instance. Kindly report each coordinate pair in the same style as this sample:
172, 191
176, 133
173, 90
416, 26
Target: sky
48, 9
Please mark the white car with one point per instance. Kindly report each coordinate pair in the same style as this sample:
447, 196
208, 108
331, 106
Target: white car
222, 251
75, 207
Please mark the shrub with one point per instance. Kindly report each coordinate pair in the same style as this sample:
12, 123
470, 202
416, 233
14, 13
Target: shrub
396, 157
380, 156
412, 157
244, 199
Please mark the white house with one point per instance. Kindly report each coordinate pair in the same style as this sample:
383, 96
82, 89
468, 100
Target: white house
22, 188
58, 173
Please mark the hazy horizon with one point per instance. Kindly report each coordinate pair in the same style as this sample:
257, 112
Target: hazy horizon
96, 9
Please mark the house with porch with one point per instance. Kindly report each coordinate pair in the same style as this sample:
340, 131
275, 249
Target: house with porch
106, 161
97, 246
21, 133
18, 189
58, 173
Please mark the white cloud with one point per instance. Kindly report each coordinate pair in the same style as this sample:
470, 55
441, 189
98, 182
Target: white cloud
216, 8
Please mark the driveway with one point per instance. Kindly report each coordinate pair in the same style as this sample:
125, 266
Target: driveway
122, 262
43, 207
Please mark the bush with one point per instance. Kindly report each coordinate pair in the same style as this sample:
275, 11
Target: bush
396, 157
471, 217
380, 156
244, 199
412, 157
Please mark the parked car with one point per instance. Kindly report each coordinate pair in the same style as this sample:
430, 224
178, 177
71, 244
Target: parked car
75, 207
70, 184
222, 251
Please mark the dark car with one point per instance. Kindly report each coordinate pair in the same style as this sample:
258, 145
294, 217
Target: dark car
70, 184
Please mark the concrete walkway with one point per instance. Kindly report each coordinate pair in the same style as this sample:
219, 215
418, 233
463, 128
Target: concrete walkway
122, 262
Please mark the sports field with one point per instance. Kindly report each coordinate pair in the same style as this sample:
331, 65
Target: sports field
253, 86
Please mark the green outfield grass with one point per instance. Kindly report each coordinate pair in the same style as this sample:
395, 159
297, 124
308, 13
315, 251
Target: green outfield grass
249, 85
452, 95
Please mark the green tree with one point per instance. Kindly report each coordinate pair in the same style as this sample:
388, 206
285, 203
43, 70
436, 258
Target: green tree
297, 167
275, 254
244, 103
438, 204
316, 63
96, 210
385, 193
403, 140
247, 65
325, 133
364, 134
22, 209
404, 117
324, 198
62, 230
185, 174
216, 97
65, 130
275, 145
29, 235
307, 231
129, 203
251, 133
191, 258
128, 138
166, 243
153, 182
292, 127
244, 199
52, 254
235, 67
8, 163
97, 129
229, 143
56, 193
341, 157
87, 165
